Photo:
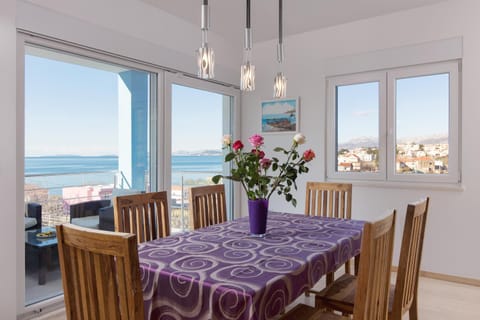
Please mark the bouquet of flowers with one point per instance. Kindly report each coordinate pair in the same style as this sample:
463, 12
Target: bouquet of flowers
261, 176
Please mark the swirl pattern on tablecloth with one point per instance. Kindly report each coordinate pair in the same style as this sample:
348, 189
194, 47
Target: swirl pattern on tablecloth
193, 263
221, 272
232, 300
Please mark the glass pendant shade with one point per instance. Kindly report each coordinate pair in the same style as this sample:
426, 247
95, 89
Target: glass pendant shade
247, 70
205, 55
247, 77
280, 86
206, 62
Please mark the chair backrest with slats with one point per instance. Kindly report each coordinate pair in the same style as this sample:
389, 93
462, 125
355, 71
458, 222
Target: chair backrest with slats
410, 257
100, 274
373, 286
329, 199
144, 214
207, 205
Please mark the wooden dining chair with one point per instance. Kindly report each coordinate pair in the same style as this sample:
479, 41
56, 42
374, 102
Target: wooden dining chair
371, 300
327, 199
100, 274
207, 205
144, 214
403, 294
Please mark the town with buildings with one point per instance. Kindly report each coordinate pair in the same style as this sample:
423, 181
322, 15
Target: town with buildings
416, 158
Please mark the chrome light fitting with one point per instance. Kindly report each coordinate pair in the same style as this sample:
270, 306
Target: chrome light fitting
205, 55
280, 81
247, 70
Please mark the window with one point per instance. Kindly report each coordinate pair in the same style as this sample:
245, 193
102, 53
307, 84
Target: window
395, 125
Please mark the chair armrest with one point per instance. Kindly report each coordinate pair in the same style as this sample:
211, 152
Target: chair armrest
88, 208
34, 210
106, 219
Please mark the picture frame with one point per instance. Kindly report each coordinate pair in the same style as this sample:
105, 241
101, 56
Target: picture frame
280, 115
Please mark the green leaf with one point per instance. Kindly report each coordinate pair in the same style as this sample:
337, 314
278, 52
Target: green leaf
278, 149
294, 202
229, 157
217, 178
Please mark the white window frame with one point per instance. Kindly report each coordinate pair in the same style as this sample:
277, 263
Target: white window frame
387, 123
332, 84
452, 68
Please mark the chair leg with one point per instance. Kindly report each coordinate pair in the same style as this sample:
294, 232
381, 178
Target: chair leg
348, 267
357, 263
330, 278
413, 312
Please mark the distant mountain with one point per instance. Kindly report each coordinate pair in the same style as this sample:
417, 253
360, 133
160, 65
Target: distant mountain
197, 153
367, 142
433, 139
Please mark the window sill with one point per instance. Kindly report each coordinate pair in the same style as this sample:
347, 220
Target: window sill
405, 185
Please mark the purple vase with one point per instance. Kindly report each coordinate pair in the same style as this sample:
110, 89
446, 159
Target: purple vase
257, 214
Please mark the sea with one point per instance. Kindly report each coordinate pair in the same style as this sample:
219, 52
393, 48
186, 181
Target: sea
56, 172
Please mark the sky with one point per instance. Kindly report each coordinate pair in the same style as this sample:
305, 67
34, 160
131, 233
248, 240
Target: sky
421, 108
196, 119
69, 109
73, 109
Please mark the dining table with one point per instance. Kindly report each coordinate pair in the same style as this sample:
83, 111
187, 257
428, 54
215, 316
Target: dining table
224, 272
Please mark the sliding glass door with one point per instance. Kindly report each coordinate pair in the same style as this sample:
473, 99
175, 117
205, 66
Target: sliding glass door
88, 134
201, 113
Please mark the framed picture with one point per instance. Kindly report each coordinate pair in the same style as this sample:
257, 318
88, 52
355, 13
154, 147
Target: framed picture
280, 115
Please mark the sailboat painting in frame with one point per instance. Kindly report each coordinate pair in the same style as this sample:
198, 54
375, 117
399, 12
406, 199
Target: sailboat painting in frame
280, 115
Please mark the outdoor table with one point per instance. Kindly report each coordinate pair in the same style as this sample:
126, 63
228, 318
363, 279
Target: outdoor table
222, 272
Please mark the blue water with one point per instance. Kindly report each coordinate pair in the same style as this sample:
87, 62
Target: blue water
60, 171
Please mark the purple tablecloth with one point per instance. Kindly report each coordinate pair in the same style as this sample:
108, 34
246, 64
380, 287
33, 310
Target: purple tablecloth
221, 272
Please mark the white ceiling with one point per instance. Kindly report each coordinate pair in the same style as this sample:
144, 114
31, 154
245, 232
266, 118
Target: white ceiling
227, 17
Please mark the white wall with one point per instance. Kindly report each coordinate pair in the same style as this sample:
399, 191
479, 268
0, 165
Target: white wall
451, 244
8, 161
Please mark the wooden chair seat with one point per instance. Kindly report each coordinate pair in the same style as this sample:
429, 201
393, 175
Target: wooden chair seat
339, 295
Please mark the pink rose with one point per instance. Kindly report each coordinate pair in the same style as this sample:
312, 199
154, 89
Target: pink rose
256, 140
265, 163
259, 153
308, 155
237, 145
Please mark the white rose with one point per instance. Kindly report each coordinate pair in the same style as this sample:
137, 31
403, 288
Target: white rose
227, 140
299, 138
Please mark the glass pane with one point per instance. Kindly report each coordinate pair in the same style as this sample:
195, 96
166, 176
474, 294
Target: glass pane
422, 116
197, 129
86, 137
357, 127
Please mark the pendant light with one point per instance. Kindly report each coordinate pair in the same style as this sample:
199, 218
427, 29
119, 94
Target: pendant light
280, 81
205, 55
247, 70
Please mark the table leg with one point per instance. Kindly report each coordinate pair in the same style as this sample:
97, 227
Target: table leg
45, 255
